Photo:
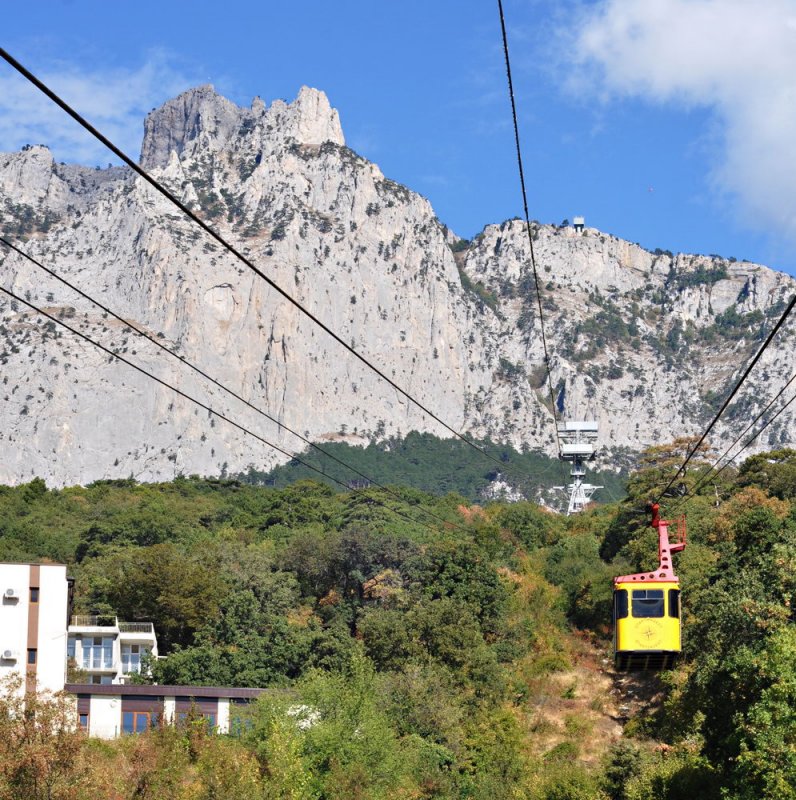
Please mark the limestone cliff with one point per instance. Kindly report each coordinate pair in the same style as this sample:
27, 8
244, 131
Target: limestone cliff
644, 342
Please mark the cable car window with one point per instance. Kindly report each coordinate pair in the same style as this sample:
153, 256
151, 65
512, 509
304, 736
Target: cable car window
674, 602
620, 603
647, 602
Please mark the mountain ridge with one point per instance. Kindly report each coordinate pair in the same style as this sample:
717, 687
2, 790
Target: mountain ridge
643, 342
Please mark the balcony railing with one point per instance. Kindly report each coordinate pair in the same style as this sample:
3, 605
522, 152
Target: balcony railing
106, 621
94, 621
136, 627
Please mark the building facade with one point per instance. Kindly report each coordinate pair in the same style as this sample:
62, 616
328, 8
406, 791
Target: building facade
107, 650
34, 612
36, 636
108, 711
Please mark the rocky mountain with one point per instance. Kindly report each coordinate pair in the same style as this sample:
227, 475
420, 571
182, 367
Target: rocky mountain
646, 343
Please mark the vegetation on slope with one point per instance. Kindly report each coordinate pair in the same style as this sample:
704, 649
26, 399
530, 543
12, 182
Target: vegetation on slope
424, 461
404, 662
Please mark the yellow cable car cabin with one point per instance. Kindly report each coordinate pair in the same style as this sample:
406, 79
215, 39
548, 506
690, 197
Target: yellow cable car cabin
647, 609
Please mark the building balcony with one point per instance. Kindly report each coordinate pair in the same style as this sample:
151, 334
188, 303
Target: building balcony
86, 623
137, 627
140, 633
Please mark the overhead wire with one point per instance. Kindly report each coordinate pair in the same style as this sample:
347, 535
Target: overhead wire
209, 409
743, 433
752, 438
212, 380
538, 288
528, 222
710, 473
739, 383
231, 248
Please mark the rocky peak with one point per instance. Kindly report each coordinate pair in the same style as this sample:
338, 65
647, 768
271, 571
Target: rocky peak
200, 121
199, 116
26, 175
309, 119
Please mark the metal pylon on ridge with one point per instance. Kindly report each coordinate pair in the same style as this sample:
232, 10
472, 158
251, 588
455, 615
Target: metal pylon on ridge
577, 447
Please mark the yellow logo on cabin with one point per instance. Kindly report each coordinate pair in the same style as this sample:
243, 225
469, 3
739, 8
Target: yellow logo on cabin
648, 634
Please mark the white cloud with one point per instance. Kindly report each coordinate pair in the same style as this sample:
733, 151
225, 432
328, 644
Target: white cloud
115, 101
735, 57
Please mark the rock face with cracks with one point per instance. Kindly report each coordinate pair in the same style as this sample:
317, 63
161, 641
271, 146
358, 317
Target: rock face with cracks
645, 343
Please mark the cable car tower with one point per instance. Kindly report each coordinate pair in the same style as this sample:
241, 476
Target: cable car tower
577, 447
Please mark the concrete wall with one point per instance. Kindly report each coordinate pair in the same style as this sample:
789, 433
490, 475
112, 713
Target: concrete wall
222, 715
105, 717
39, 626
14, 620
53, 609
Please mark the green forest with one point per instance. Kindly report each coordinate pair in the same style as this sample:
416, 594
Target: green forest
423, 461
451, 650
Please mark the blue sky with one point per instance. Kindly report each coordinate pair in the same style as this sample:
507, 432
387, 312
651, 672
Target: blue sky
668, 122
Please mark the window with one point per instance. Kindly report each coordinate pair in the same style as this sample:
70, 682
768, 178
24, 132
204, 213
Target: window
620, 603
70, 648
240, 717
647, 602
101, 680
131, 658
98, 652
83, 709
190, 711
185, 718
31, 655
34, 594
674, 602
138, 721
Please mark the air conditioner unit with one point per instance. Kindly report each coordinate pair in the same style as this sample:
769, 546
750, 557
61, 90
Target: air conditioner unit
11, 594
9, 655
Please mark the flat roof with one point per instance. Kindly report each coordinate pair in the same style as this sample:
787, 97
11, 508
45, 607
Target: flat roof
132, 690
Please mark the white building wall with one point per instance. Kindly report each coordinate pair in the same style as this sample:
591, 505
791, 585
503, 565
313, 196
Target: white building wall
16, 614
222, 715
169, 709
14, 620
53, 608
105, 716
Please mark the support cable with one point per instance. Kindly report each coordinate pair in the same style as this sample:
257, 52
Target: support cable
230, 248
737, 386
207, 408
749, 441
528, 223
212, 380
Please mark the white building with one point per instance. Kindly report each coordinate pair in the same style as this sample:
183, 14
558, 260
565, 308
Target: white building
108, 650
35, 607
34, 612
110, 711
